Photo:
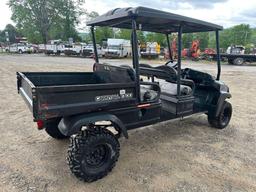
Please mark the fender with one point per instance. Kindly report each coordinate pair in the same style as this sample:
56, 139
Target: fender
223, 96
71, 125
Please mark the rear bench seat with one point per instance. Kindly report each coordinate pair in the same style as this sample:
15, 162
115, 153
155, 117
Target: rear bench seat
167, 88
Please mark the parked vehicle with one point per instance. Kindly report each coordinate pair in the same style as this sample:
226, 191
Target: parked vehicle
41, 48
152, 50
54, 47
17, 48
95, 108
235, 55
88, 51
32, 48
118, 48
74, 49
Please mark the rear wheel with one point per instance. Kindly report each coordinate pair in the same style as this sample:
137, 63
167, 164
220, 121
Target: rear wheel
93, 153
238, 61
52, 129
223, 119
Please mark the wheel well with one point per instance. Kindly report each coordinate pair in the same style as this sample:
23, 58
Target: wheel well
109, 125
72, 125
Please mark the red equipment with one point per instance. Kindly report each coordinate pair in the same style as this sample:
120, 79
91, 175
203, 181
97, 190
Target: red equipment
209, 51
193, 52
173, 50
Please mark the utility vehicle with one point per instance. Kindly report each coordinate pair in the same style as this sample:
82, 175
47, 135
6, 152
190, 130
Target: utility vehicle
95, 108
88, 51
54, 47
118, 48
152, 50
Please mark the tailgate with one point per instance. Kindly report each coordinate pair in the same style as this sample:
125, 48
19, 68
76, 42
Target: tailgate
27, 90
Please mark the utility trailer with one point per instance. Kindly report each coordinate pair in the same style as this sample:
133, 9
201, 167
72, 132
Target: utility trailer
95, 108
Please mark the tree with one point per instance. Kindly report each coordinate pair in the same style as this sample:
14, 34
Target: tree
156, 37
203, 39
237, 35
12, 32
141, 37
46, 18
124, 34
101, 33
187, 39
253, 36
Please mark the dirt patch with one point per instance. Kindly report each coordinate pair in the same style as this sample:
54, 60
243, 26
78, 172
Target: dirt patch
181, 155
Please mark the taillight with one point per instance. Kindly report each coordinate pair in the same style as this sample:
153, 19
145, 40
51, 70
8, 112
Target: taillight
40, 124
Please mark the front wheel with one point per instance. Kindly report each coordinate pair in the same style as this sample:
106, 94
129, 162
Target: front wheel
238, 61
222, 120
93, 153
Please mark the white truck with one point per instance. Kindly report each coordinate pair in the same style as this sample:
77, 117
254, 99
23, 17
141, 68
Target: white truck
88, 51
41, 48
17, 48
118, 48
54, 47
74, 49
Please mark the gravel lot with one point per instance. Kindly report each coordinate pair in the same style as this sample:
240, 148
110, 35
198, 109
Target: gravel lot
180, 155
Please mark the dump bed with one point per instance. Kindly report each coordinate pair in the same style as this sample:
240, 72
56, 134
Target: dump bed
57, 94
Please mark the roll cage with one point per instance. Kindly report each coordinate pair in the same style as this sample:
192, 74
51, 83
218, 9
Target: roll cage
151, 20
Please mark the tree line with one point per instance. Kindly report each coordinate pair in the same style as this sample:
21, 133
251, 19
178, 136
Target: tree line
43, 20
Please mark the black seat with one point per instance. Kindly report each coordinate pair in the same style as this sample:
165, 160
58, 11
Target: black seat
169, 88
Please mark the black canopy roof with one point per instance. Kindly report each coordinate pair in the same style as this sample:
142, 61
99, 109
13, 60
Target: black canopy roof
152, 20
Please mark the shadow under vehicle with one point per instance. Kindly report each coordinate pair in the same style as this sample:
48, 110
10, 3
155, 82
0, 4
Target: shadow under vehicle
95, 108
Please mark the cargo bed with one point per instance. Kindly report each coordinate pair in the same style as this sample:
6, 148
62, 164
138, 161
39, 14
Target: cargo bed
57, 94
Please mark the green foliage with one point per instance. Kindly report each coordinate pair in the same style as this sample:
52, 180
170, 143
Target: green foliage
12, 32
41, 20
237, 35
101, 33
124, 34
187, 39
203, 39
156, 37
253, 36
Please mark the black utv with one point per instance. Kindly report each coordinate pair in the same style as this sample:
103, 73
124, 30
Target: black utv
95, 108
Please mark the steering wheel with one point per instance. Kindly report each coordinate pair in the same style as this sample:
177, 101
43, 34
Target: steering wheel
185, 73
171, 63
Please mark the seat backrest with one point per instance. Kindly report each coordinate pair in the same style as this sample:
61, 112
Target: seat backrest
114, 74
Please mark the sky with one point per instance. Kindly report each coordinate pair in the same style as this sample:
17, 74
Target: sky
222, 12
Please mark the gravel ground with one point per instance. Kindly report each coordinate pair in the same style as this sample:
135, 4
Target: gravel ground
180, 155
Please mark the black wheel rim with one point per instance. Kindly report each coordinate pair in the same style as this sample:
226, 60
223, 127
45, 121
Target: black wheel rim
225, 116
97, 156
